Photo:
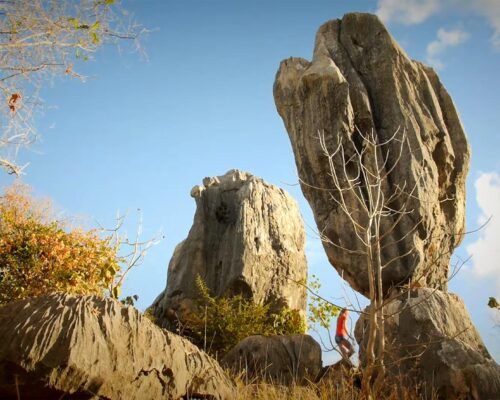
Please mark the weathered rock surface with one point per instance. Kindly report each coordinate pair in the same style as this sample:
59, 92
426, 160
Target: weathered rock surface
430, 339
360, 78
279, 359
343, 376
89, 347
247, 237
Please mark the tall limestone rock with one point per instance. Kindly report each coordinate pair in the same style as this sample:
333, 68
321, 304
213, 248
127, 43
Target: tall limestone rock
247, 238
361, 82
360, 78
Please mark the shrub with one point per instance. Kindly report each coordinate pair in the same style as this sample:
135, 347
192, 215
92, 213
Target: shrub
40, 255
321, 311
218, 323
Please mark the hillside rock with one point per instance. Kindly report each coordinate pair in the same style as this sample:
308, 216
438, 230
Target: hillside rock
360, 78
247, 238
90, 347
284, 359
431, 340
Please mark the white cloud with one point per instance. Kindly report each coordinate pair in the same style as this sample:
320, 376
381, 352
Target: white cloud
485, 250
444, 40
412, 12
408, 12
491, 10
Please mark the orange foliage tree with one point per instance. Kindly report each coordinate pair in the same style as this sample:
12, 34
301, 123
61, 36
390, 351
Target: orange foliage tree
39, 254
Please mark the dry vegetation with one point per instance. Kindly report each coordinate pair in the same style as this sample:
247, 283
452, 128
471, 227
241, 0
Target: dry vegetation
41, 40
40, 255
329, 389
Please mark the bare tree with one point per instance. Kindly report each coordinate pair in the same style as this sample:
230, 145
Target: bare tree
130, 252
360, 191
42, 39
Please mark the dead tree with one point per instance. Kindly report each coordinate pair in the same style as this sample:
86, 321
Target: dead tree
41, 40
360, 191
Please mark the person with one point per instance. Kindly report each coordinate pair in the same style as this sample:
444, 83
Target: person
341, 335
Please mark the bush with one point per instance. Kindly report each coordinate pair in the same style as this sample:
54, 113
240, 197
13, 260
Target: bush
217, 324
39, 255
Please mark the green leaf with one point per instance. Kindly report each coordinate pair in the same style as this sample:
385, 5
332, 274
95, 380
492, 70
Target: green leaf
95, 25
74, 22
95, 38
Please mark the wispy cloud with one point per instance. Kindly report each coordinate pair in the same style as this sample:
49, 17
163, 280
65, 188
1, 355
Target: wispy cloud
444, 40
408, 12
491, 10
411, 12
484, 250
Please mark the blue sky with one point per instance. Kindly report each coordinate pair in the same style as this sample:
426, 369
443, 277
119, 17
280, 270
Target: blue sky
140, 133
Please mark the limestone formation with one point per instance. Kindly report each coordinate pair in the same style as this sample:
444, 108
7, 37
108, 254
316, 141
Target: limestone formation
430, 339
278, 359
247, 238
86, 347
360, 79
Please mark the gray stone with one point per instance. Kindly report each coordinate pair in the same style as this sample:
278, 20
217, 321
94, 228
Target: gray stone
89, 347
288, 359
247, 238
360, 78
430, 340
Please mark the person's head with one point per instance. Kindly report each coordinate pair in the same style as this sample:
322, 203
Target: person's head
344, 311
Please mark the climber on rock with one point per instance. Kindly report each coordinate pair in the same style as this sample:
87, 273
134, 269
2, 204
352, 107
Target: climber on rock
341, 335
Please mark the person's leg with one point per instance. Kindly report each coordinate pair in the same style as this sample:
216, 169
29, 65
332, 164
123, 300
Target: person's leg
346, 348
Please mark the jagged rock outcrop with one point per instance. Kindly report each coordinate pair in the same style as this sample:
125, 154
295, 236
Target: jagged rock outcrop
288, 359
89, 347
247, 238
430, 339
361, 82
360, 78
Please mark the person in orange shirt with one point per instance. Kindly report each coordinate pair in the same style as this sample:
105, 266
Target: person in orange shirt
341, 335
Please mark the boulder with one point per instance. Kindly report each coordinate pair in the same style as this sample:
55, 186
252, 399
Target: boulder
341, 380
361, 81
287, 359
431, 342
89, 347
247, 238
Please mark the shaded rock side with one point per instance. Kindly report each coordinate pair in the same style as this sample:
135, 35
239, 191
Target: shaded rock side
247, 238
89, 347
360, 79
343, 376
431, 341
284, 359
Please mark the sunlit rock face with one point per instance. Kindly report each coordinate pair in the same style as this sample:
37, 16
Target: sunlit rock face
431, 340
360, 79
87, 347
281, 359
247, 238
